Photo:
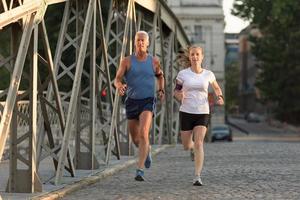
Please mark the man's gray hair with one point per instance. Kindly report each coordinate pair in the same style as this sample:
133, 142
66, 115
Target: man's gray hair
144, 33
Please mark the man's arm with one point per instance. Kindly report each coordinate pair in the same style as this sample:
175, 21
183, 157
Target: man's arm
119, 76
160, 77
159, 74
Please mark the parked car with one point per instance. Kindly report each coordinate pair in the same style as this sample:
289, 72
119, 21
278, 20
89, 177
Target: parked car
252, 117
221, 132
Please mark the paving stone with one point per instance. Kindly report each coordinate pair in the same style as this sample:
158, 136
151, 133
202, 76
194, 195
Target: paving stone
237, 170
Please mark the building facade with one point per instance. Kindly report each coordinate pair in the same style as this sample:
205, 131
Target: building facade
203, 21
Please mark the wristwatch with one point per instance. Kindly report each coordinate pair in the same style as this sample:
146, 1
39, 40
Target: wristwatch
220, 96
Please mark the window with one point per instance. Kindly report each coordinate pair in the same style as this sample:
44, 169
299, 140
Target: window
198, 33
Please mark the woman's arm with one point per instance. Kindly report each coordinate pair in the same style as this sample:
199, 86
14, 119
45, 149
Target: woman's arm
218, 92
178, 93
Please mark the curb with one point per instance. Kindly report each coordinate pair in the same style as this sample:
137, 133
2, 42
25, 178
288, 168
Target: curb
69, 188
237, 127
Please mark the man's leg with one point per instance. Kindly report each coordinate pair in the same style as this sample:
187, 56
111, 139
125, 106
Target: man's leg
144, 128
133, 126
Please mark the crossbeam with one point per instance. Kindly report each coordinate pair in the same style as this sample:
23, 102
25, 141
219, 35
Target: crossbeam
75, 111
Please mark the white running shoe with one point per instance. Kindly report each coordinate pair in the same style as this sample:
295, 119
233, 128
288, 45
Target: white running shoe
197, 181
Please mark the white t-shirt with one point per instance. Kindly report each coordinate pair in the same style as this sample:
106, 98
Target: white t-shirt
195, 90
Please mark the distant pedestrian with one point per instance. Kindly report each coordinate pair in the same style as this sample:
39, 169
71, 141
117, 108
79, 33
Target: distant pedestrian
192, 91
140, 70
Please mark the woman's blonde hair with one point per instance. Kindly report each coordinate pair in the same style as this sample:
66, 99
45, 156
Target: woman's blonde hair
183, 59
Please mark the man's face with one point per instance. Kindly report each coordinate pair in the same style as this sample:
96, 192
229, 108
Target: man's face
141, 42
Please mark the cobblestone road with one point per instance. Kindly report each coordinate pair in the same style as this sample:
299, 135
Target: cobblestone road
237, 170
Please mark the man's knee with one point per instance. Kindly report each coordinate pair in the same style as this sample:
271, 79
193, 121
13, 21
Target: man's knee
144, 130
143, 138
135, 141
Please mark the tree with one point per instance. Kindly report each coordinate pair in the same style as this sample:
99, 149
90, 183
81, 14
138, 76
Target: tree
277, 52
232, 85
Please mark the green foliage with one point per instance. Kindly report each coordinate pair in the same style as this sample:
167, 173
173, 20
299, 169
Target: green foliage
231, 85
277, 51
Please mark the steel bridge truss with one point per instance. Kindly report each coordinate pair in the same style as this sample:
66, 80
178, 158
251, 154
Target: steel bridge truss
61, 105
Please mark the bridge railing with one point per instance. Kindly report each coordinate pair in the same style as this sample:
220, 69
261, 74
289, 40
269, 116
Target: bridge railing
62, 106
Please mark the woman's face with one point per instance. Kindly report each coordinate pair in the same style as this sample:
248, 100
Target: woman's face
196, 56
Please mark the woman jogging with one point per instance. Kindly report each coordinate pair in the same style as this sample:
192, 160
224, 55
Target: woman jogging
192, 91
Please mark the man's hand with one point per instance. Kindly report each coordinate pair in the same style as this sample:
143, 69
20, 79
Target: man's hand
161, 94
122, 89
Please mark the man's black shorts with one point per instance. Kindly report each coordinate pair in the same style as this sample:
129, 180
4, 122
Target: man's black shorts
134, 107
188, 121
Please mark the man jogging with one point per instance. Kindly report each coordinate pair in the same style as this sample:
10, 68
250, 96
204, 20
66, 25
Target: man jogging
140, 71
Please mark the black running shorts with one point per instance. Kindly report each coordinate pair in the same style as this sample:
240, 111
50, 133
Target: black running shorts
188, 121
134, 107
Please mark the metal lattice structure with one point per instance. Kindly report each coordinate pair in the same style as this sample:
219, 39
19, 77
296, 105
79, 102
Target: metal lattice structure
53, 105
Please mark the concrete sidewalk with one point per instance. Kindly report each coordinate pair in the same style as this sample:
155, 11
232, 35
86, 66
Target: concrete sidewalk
70, 184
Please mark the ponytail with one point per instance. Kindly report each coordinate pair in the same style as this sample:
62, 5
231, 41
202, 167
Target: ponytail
182, 58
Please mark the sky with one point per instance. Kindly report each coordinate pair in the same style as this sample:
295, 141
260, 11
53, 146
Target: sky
233, 24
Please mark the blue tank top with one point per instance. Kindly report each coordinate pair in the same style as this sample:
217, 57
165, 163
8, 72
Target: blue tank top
140, 78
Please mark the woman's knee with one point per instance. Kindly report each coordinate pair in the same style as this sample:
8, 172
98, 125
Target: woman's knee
187, 147
198, 144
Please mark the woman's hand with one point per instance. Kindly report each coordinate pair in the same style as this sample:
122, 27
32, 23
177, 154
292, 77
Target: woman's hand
220, 100
179, 95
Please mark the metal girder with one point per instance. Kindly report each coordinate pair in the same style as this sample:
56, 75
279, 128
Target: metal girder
75, 90
116, 107
22, 165
52, 96
85, 143
17, 13
50, 2
16, 77
168, 17
117, 31
94, 54
11, 15
57, 108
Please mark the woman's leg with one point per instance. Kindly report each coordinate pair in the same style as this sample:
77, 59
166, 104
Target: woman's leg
187, 139
199, 134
